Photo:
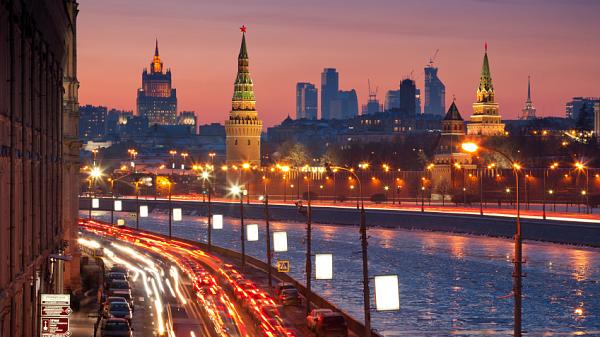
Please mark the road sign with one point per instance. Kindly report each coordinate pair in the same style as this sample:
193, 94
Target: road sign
283, 266
55, 311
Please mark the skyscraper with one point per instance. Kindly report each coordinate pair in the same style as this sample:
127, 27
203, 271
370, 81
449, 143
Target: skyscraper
485, 121
329, 90
345, 106
581, 110
435, 92
157, 100
408, 94
392, 100
188, 118
529, 109
306, 101
243, 128
417, 101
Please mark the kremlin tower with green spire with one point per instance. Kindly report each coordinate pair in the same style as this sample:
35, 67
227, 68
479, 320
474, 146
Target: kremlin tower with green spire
485, 121
243, 128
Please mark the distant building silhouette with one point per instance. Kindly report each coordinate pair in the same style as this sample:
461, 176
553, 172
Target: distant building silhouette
597, 121
373, 106
345, 106
330, 84
581, 111
486, 120
417, 101
92, 122
392, 100
188, 118
157, 99
306, 100
435, 92
528, 109
408, 94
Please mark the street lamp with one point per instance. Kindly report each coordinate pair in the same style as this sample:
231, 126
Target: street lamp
239, 191
172, 153
268, 231
184, 155
518, 260
168, 183
581, 167
95, 173
364, 250
205, 175
546, 171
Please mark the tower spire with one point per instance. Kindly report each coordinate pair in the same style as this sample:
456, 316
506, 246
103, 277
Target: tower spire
156, 48
485, 91
529, 88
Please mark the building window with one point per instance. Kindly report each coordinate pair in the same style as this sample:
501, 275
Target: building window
236, 142
248, 141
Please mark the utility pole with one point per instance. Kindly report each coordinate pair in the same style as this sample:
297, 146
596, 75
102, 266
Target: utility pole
268, 229
242, 228
308, 248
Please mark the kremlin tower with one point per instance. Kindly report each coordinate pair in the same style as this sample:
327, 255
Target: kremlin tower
485, 121
529, 109
243, 128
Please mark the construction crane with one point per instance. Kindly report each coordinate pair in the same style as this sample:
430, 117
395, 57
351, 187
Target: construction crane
432, 58
372, 94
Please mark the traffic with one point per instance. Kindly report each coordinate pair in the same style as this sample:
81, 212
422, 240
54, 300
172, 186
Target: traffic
192, 293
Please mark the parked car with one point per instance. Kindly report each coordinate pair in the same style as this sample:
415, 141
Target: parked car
120, 310
116, 327
331, 324
282, 286
289, 297
311, 319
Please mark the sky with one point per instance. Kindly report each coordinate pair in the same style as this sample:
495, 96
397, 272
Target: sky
556, 42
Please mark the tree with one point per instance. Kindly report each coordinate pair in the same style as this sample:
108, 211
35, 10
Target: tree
297, 155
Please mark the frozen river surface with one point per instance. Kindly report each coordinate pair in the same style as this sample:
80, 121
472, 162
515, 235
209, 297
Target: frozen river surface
450, 285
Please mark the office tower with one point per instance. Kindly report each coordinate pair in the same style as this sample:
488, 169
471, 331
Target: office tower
485, 121
392, 100
529, 109
408, 94
92, 121
345, 106
329, 90
435, 92
581, 110
306, 101
243, 128
597, 121
157, 99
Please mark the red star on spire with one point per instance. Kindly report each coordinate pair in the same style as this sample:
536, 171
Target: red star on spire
243, 28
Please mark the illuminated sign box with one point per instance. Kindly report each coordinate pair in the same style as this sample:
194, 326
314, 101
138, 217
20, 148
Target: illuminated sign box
217, 221
387, 294
252, 232
120, 222
280, 241
177, 214
144, 211
323, 266
95, 203
118, 205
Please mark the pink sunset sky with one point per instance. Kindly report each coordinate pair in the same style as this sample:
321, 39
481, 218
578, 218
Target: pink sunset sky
556, 42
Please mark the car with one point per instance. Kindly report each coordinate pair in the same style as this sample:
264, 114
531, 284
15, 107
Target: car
110, 300
289, 297
282, 286
311, 319
112, 276
119, 288
120, 310
116, 327
332, 324
119, 268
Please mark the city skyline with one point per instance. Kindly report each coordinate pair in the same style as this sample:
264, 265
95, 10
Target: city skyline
197, 44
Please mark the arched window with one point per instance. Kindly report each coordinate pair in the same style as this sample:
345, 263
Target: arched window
236, 142
248, 141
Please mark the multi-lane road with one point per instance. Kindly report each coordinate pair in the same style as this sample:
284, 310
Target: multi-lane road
173, 274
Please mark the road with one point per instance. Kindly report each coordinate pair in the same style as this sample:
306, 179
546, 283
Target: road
174, 272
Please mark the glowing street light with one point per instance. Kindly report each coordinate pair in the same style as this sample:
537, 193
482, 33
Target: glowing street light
239, 191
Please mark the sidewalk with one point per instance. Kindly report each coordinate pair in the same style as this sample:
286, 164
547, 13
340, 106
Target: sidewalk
85, 314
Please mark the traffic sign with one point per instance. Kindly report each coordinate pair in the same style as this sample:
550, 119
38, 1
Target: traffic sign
55, 311
283, 266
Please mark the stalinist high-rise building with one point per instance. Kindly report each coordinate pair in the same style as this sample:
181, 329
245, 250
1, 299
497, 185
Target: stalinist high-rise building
485, 121
157, 99
243, 128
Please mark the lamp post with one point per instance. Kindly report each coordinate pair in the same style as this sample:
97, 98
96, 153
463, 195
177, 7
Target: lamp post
581, 167
364, 250
172, 153
308, 246
168, 183
95, 173
239, 192
518, 260
268, 232
546, 171
205, 175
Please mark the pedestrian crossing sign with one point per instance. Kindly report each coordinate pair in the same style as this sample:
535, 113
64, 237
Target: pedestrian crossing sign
283, 266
